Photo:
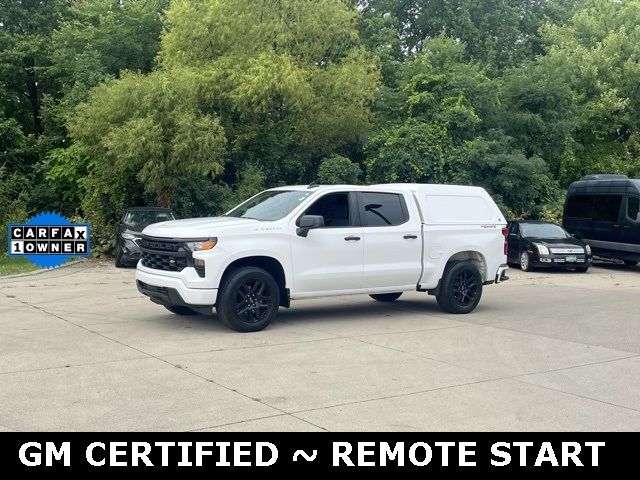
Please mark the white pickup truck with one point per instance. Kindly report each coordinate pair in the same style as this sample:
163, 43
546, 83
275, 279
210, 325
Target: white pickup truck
298, 242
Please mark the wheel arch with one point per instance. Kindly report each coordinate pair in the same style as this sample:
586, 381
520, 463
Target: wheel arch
271, 265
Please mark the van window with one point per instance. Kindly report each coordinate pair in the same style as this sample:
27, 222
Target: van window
459, 209
606, 208
633, 207
580, 206
381, 209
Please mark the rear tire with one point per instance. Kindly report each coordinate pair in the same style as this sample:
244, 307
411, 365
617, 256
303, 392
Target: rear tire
386, 297
630, 263
180, 310
460, 288
248, 300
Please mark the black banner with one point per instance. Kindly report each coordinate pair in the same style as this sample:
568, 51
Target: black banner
206, 453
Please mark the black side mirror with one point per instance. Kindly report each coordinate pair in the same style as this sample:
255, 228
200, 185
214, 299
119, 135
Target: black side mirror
309, 222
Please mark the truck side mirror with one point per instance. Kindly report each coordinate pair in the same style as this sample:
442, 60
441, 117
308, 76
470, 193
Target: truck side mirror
308, 222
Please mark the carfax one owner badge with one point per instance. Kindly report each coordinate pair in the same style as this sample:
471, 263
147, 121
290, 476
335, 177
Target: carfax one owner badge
49, 239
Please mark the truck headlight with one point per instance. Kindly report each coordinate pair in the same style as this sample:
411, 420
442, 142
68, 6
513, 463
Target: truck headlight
128, 236
587, 249
201, 245
542, 250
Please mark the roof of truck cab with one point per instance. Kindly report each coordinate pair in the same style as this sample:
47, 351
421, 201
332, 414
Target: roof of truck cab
430, 188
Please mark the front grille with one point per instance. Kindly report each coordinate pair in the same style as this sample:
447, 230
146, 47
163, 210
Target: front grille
564, 251
160, 244
164, 261
164, 254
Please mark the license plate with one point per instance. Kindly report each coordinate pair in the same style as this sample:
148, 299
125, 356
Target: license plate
571, 258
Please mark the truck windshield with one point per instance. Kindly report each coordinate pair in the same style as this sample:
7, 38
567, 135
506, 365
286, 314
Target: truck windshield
269, 205
543, 230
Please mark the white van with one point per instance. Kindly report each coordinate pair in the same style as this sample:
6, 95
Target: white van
298, 242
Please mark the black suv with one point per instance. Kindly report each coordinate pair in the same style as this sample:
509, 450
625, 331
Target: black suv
542, 244
128, 233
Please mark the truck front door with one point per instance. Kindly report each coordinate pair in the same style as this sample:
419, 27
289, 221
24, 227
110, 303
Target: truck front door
329, 259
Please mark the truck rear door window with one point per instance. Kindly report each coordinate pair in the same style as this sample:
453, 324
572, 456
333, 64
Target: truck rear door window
382, 209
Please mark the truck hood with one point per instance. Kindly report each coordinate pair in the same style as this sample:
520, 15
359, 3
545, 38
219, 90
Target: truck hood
193, 227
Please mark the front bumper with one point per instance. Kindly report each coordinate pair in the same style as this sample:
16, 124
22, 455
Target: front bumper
198, 297
558, 260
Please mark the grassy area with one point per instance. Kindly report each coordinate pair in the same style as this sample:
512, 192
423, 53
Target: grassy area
12, 265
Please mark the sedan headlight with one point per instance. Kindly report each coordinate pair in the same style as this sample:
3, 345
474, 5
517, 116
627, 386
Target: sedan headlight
587, 249
542, 250
201, 245
128, 236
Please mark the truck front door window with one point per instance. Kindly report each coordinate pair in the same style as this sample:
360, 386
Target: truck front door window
334, 208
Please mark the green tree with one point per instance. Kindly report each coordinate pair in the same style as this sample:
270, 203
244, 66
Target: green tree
337, 169
25, 30
289, 79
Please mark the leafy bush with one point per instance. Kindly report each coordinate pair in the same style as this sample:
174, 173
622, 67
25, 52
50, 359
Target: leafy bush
337, 169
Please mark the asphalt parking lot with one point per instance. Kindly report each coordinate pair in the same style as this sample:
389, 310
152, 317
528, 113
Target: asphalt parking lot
80, 349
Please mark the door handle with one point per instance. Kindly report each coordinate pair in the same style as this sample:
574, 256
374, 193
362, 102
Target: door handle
351, 239
410, 236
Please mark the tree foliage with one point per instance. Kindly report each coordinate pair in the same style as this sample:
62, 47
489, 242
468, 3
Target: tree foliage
198, 104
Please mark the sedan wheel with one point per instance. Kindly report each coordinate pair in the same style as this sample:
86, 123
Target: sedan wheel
525, 262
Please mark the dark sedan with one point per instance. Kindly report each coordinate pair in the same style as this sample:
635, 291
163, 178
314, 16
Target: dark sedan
128, 234
541, 244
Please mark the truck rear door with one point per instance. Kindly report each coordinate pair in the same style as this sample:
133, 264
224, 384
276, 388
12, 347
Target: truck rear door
392, 239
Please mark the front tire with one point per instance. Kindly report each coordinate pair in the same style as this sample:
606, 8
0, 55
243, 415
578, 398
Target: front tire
386, 297
180, 310
582, 269
525, 261
118, 261
248, 300
460, 288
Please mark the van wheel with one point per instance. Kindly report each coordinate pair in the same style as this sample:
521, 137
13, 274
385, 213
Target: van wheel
248, 300
630, 263
582, 269
460, 288
525, 262
386, 297
118, 261
180, 310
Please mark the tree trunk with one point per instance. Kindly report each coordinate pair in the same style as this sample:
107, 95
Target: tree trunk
33, 93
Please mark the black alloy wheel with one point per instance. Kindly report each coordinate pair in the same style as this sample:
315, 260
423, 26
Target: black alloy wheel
248, 299
460, 289
253, 300
465, 288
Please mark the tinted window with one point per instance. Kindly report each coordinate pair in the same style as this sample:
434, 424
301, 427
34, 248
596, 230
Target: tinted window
334, 208
382, 209
580, 206
633, 207
513, 229
606, 208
